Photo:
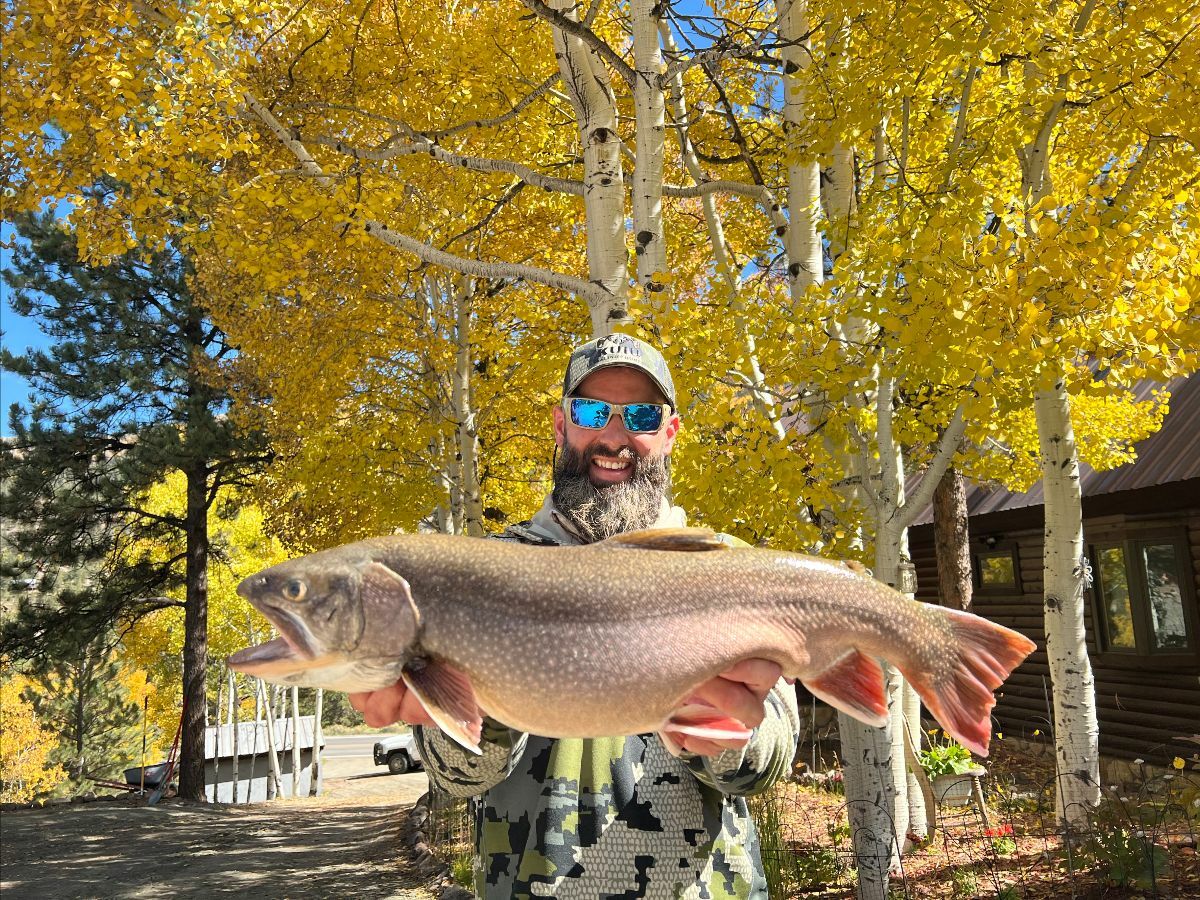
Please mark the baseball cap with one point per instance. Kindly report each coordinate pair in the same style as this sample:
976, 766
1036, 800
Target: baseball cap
618, 350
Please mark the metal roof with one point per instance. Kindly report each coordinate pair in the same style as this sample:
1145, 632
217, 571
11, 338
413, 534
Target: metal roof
1171, 454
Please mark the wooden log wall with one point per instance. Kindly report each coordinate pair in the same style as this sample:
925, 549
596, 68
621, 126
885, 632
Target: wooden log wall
1144, 704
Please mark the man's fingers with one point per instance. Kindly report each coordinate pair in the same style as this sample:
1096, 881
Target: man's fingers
705, 746
413, 712
732, 698
759, 675
381, 707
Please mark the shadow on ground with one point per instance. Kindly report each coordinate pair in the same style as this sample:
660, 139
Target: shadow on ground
285, 849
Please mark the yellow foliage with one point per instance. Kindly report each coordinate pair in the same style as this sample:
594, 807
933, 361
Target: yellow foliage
962, 277
25, 746
153, 647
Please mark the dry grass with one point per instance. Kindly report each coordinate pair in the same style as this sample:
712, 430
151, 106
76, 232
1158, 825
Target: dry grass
1144, 842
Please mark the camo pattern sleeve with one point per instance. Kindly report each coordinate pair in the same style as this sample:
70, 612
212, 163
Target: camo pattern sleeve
461, 773
765, 759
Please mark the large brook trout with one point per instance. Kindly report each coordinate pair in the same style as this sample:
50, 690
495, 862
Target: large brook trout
612, 638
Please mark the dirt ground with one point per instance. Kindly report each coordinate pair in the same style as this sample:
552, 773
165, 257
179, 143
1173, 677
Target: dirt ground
345, 843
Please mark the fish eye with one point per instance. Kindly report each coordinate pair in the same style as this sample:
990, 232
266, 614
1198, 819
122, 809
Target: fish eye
294, 590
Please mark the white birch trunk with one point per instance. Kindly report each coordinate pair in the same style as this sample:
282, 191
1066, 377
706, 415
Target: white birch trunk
873, 758
314, 777
1076, 729
272, 747
233, 720
649, 113
839, 200
589, 87
466, 427
295, 742
802, 240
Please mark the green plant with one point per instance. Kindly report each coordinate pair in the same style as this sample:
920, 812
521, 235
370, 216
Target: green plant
839, 831
1003, 842
945, 756
966, 883
815, 866
787, 865
462, 870
1124, 858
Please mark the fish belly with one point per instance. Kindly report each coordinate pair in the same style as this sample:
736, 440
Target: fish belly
602, 680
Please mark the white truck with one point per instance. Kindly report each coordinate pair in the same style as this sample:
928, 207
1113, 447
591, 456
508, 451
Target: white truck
398, 752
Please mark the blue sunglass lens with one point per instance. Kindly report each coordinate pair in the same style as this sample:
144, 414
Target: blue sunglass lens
643, 417
590, 413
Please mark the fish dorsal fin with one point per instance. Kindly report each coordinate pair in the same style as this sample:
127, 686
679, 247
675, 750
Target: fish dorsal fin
685, 539
857, 568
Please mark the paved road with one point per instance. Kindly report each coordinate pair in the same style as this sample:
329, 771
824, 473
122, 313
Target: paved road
345, 746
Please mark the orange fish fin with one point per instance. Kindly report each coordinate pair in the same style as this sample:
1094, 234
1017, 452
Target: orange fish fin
686, 539
703, 721
448, 697
962, 701
855, 685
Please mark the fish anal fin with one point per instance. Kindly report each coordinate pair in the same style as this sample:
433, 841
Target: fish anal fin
678, 539
856, 686
448, 697
699, 720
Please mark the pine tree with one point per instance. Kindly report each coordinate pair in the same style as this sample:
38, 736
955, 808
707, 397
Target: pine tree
125, 395
83, 700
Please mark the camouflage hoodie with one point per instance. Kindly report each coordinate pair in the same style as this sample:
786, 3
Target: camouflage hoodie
612, 817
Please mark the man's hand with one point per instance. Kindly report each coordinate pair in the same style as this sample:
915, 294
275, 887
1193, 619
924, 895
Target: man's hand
739, 693
390, 704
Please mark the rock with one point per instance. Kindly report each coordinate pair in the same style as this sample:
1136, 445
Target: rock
430, 865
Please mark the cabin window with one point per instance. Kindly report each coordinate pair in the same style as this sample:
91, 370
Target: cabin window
996, 571
1143, 597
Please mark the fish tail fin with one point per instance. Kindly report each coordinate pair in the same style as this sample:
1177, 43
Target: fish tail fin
960, 696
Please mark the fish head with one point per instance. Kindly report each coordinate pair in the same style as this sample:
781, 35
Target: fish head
343, 623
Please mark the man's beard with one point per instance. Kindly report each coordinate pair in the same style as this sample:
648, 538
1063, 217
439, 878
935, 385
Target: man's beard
602, 512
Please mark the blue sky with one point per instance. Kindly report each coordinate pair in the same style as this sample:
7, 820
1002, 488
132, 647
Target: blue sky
19, 333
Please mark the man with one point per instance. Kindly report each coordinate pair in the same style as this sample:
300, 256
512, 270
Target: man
652, 815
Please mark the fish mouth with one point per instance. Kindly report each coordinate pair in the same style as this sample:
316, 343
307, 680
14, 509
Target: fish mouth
292, 651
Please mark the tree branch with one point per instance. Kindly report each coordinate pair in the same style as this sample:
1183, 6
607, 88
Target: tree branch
585, 34
947, 447
593, 294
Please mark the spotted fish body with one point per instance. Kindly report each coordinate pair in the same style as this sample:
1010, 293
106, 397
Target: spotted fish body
611, 638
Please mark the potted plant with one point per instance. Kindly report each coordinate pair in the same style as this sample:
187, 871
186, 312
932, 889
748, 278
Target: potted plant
951, 769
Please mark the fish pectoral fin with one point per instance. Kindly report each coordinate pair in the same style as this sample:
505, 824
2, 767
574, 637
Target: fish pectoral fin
685, 539
703, 721
448, 697
856, 686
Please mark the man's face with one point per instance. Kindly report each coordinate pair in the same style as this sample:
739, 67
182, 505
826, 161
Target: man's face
611, 448
608, 480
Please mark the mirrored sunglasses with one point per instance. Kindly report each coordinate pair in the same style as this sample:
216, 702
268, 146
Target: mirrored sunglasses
639, 418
